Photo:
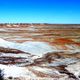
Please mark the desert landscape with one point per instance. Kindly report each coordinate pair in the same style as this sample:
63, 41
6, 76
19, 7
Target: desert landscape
40, 51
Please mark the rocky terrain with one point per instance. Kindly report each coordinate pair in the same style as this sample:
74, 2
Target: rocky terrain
39, 51
54, 65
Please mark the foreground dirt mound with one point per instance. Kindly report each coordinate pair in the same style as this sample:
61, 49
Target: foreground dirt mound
61, 62
53, 65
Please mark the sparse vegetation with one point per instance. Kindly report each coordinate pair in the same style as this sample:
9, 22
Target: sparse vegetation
1, 75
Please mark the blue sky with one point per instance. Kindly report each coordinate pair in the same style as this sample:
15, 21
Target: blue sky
40, 11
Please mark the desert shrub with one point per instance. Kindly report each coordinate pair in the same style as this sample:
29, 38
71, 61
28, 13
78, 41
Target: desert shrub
1, 75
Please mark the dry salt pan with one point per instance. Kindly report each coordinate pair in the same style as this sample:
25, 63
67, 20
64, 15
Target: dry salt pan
36, 48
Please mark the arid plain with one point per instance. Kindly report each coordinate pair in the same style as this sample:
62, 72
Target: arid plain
40, 51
